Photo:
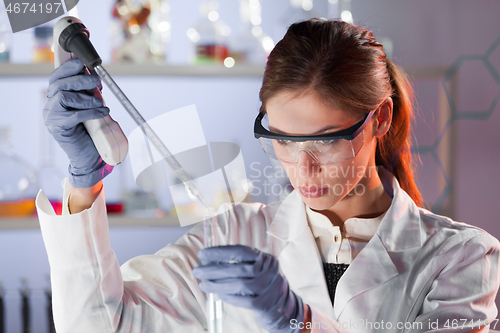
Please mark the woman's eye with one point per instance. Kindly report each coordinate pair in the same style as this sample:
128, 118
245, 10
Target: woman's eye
284, 142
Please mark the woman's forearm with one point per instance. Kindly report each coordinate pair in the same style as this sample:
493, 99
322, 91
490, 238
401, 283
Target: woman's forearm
82, 198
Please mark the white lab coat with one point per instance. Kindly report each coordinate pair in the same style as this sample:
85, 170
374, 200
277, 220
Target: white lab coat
418, 269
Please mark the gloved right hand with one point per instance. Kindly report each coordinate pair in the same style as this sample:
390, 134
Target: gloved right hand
67, 107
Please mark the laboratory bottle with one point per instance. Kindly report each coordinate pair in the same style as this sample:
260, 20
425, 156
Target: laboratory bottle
43, 51
5, 37
209, 36
18, 181
251, 45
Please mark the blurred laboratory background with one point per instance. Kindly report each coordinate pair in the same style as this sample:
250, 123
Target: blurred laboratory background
167, 54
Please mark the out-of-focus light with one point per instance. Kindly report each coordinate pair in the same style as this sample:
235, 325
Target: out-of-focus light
256, 19
51, 48
123, 10
193, 35
254, 4
333, 2
346, 16
2, 47
256, 31
307, 5
191, 32
165, 8
247, 185
23, 184
155, 49
213, 16
225, 31
164, 26
229, 62
135, 29
268, 44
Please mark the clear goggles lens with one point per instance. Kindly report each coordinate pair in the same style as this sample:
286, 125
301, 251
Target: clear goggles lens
322, 151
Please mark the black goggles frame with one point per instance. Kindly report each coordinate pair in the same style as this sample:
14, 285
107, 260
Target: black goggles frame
347, 134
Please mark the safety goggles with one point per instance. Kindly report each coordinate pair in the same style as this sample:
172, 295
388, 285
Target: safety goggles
325, 149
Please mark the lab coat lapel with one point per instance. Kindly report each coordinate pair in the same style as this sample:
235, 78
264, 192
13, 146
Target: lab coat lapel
371, 267
398, 231
300, 260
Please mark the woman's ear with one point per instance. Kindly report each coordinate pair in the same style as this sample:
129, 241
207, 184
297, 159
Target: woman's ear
383, 118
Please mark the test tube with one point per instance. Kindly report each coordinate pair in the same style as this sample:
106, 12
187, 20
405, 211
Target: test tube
214, 303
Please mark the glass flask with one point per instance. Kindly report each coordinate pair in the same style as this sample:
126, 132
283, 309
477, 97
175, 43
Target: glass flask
252, 45
140, 31
18, 181
209, 36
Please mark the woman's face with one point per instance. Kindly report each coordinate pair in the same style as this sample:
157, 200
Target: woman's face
322, 186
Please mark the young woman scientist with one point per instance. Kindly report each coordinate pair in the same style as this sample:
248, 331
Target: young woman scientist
336, 112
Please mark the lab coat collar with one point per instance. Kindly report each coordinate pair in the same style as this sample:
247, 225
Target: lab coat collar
399, 231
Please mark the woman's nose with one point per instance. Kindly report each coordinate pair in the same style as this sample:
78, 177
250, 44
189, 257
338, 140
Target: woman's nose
307, 164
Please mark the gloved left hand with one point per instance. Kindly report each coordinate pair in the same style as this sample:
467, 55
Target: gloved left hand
248, 278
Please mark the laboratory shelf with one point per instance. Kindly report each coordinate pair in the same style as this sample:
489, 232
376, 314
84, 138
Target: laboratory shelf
113, 221
33, 70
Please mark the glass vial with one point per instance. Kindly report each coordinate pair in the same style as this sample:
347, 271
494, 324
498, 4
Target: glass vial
18, 181
209, 36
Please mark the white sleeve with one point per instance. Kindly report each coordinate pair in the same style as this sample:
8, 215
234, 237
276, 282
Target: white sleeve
90, 293
462, 297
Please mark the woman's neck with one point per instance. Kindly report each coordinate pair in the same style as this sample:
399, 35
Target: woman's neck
372, 203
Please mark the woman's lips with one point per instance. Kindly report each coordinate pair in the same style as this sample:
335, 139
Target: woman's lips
313, 192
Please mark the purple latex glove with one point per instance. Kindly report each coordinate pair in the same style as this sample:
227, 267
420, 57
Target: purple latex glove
68, 106
248, 278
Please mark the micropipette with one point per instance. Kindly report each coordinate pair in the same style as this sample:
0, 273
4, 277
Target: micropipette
74, 38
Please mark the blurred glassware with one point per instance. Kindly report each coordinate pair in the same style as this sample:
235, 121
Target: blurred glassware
251, 45
18, 181
44, 49
340, 10
345, 11
209, 36
5, 36
141, 31
302, 10
140, 203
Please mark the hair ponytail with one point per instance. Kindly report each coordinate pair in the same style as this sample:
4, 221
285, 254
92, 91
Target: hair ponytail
345, 66
394, 148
